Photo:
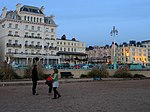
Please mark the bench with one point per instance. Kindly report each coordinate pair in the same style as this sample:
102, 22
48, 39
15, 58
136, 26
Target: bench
66, 75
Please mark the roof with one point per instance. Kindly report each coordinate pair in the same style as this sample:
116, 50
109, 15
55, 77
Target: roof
31, 9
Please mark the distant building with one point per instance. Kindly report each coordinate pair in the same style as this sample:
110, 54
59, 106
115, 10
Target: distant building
132, 52
99, 54
147, 44
71, 51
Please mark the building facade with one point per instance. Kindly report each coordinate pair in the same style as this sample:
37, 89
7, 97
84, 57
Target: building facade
26, 34
71, 51
132, 53
99, 54
147, 44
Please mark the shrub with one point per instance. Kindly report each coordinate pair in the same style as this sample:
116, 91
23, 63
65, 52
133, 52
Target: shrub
16, 76
139, 76
123, 72
83, 76
96, 72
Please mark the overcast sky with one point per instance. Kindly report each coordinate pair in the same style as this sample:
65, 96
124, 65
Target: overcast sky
91, 21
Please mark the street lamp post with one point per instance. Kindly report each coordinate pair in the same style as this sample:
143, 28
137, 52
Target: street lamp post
114, 32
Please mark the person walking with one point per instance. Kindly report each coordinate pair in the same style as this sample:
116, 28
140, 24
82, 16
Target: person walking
55, 84
49, 82
34, 79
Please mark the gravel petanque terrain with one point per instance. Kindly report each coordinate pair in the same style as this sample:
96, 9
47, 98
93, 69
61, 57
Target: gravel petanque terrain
96, 96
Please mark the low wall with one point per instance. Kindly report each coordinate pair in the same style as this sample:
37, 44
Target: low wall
78, 72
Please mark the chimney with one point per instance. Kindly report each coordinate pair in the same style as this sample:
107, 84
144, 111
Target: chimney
18, 6
4, 11
42, 9
52, 17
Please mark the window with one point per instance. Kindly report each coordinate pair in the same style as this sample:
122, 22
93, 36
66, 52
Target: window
40, 20
26, 33
9, 41
52, 36
16, 33
75, 49
16, 26
46, 29
31, 18
32, 27
34, 19
26, 27
9, 50
68, 49
38, 43
32, 43
38, 35
72, 49
28, 18
68, 43
26, 51
52, 44
25, 18
16, 51
37, 19
52, 30
10, 25
16, 41
58, 43
38, 28
10, 32
26, 42
32, 34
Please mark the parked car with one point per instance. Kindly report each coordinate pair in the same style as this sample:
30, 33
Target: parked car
87, 66
76, 66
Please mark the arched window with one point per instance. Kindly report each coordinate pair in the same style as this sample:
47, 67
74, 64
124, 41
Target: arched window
40, 20
34, 19
31, 18
37, 19
25, 18
28, 18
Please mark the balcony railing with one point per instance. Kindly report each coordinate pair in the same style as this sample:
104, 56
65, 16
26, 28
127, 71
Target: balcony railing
16, 36
13, 45
33, 46
10, 34
35, 37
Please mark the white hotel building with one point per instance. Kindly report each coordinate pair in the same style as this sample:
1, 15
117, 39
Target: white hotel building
27, 34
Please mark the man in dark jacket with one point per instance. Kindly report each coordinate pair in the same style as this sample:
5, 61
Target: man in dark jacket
34, 79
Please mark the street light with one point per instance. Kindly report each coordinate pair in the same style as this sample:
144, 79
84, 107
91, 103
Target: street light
114, 32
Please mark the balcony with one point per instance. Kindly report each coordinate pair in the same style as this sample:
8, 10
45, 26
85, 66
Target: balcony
13, 45
9, 45
17, 45
45, 47
10, 34
52, 48
38, 47
35, 37
16, 36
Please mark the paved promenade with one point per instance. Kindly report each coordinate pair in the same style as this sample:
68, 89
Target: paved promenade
83, 96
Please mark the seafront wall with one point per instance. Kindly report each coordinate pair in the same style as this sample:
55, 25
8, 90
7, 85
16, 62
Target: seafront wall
77, 72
